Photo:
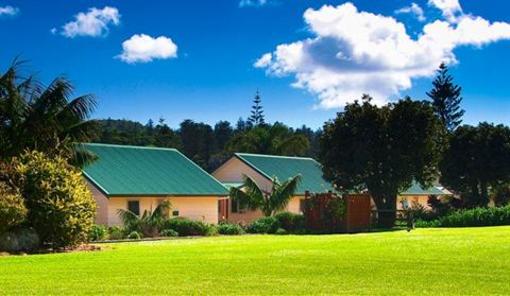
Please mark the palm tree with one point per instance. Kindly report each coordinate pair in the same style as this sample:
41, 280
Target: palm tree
269, 203
149, 223
42, 118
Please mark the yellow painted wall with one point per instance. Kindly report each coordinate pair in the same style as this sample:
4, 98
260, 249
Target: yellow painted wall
233, 170
420, 199
196, 208
101, 204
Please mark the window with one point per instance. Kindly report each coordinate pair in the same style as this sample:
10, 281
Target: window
134, 206
237, 207
234, 205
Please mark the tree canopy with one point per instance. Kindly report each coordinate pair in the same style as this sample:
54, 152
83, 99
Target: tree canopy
382, 149
47, 119
446, 99
477, 159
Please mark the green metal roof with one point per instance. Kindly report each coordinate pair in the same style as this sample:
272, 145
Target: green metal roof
148, 171
416, 189
285, 167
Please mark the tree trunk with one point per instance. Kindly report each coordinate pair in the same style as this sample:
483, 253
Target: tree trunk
386, 210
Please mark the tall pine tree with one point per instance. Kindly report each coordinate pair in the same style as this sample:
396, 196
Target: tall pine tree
257, 113
446, 99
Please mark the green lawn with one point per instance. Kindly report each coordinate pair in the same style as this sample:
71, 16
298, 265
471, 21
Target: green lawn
425, 261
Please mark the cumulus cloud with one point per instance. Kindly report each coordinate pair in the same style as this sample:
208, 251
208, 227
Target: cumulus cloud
252, 3
95, 22
414, 9
141, 48
354, 52
8, 10
451, 8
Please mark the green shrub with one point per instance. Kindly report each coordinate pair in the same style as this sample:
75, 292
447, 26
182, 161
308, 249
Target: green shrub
293, 223
61, 209
169, 233
134, 235
264, 225
115, 233
187, 227
12, 208
230, 229
477, 217
471, 218
98, 233
19, 240
426, 224
281, 231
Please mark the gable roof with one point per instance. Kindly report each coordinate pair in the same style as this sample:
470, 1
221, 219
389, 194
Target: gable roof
416, 189
285, 167
148, 171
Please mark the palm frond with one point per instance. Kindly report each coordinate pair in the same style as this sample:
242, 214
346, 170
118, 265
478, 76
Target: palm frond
283, 193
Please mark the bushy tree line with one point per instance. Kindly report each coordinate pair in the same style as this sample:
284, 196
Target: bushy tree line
209, 146
383, 149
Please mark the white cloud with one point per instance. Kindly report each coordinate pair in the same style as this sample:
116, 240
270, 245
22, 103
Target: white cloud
95, 22
451, 8
354, 52
141, 48
252, 3
414, 9
8, 10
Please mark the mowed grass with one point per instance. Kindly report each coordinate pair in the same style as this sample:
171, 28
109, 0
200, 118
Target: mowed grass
426, 261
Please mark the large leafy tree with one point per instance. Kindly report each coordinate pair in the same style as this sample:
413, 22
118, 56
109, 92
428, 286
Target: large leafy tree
197, 140
446, 99
41, 118
477, 159
270, 203
382, 149
276, 139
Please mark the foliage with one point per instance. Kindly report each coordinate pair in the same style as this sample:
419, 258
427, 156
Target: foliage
187, 227
19, 240
169, 233
324, 212
197, 141
41, 118
115, 233
471, 218
501, 195
134, 235
12, 208
98, 233
257, 113
281, 231
265, 225
477, 158
230, 229
292, 223
446, 99
444, 205
276, 139
60, 206
149, 223
269, 203
382, 149
477, 217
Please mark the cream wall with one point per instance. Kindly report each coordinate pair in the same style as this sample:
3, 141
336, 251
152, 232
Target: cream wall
412, 199
101, 204
233, 170
196, 208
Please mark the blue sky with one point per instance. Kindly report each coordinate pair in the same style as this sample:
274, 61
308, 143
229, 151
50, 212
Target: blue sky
210, 75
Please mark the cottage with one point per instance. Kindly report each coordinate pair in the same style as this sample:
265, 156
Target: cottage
139, 178
262, 168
